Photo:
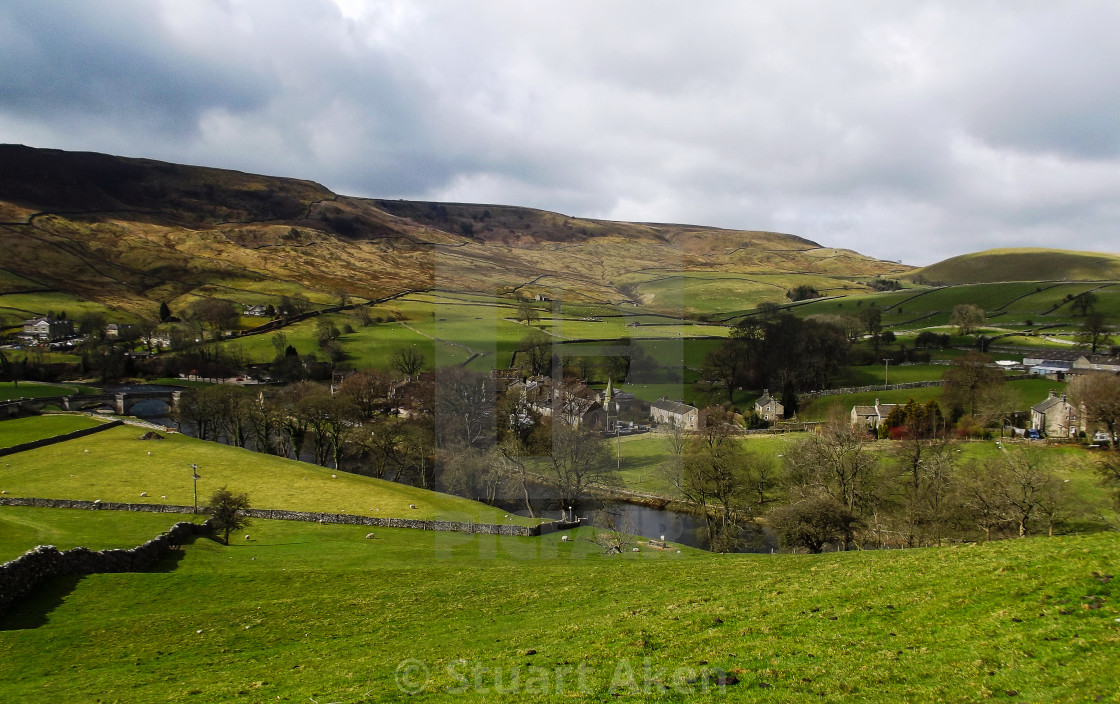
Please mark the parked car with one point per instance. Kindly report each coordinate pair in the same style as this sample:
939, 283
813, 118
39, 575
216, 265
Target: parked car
1102, 436
1034, 434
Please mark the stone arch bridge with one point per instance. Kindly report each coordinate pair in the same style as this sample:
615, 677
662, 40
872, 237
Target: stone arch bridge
121, 402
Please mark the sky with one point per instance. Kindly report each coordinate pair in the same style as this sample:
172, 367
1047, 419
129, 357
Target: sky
910, 131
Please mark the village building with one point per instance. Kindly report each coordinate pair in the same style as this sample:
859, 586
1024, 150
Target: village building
618, 403
1053, 364
1055, 417
1096, 363
570, 402
769, 408
504, 379
47, 329
666, 412
872, 416
114, 331
255, 311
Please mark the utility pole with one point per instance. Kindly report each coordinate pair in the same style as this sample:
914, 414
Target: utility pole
195, 477
886, 371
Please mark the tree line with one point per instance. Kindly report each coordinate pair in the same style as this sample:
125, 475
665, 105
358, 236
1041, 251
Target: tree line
833, 489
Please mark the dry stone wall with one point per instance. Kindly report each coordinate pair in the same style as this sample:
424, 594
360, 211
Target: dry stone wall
24, 447
310, 517
21, 576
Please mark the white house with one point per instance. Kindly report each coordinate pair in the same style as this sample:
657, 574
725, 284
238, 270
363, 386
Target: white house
47, 329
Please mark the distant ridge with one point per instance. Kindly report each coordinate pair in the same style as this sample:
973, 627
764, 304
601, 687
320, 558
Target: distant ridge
1020, 264
131, 232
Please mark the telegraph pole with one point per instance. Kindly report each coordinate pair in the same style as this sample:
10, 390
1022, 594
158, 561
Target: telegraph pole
195, 477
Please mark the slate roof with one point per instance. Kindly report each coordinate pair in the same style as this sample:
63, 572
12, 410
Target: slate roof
663, 404
1049, 403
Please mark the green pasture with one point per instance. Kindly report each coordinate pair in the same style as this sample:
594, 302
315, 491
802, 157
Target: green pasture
1026, 393
699, 293
647, 462
371, 346
307, 612
1044, 298
116, 465
1011, 303
17, 307
15, 431
1023, 264
894, 374
34, 389
23, 528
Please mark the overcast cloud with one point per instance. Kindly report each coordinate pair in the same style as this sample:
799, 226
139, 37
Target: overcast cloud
912, 131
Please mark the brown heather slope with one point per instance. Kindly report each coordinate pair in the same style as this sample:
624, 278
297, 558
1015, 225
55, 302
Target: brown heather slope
131, 232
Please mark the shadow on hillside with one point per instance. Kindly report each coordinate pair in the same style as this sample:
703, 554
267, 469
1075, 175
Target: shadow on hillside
35, 609
172, 559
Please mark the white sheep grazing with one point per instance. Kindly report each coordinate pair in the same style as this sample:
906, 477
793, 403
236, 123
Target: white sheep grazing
246, 536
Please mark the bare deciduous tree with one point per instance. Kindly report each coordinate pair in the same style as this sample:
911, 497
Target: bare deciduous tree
408, 361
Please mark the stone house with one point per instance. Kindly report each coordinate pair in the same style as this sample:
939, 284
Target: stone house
1056, 417
118, 330
872, 416
664, 411
769, 408
571, 402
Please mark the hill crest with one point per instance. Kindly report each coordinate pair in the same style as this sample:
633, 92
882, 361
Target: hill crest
131, 232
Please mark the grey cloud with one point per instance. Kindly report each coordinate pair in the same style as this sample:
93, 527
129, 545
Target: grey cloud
72, 62
906, 131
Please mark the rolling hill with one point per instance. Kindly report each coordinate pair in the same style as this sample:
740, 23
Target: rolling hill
130, 233
1023, 264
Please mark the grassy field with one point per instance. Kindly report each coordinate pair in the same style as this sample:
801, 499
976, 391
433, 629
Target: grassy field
1022, 264
15, 431
32, 389
116, 466
307, 612
1026, 393
22, 529
1015, 304
646, 462
17, 307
